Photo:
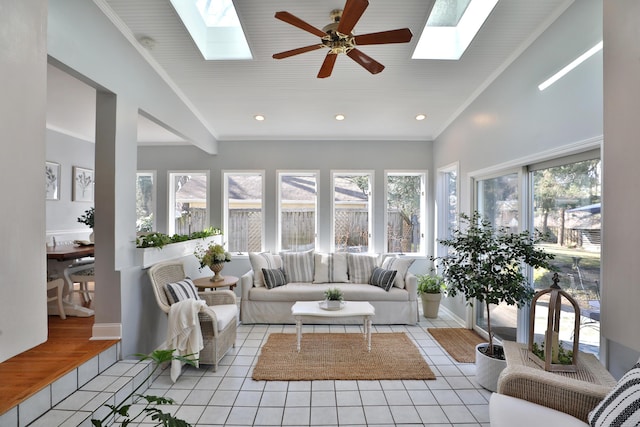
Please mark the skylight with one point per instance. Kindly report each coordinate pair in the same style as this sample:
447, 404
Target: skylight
451, 27
214, 27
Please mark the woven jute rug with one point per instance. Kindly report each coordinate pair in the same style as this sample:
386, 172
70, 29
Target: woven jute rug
460, 343
339, 356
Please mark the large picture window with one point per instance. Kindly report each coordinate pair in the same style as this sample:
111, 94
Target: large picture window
446, 204
352, 216
297, 213
188, 202
405, 215
244, 211
145, 201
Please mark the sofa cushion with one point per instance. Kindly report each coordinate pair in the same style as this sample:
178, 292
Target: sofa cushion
274, 277
180, 291
293, 292
330, 268
508, 411
298, 266
621, 407
260, 260
401, 265
382, 278
360, 267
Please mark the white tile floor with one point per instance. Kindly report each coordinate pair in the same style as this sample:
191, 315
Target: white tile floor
230, 397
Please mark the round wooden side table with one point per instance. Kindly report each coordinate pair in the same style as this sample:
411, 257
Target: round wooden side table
203, 283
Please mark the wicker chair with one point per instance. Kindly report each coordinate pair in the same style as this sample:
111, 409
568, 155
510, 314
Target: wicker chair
218, 339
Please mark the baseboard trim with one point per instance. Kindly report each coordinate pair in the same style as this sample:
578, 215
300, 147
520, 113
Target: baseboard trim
106, 331
455, 317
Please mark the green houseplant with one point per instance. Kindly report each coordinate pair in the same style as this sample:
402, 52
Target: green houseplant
333, 298
484, 263
150, 409
430, 289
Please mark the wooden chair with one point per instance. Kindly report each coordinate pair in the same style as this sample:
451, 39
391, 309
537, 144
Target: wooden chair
58, 285
218, 337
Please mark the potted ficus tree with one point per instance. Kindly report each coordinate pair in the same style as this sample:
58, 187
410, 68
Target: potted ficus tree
485, 264
430, 289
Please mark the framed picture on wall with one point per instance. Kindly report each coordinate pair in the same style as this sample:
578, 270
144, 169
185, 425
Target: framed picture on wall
82, 184
52, 180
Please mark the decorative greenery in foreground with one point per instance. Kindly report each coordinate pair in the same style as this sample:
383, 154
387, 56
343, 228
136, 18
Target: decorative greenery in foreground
158, 240
161, 418
431, 284
88, 217
565, 357
333, 294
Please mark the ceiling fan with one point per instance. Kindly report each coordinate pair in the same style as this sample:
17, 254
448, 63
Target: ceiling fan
337, 36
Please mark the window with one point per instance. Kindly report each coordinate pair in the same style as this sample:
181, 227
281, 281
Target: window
352, 216
405, 194
498, 200
446, 203
297, 213
188, 202
566, 206
145, 201
244, 211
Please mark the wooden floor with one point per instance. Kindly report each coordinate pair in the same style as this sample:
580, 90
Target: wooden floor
68, 347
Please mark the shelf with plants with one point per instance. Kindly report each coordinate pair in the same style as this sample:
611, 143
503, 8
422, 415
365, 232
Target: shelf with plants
158, 247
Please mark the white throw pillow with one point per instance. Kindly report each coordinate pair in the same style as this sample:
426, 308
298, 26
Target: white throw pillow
298, 266
330, 268
401, 265
260, 260
360, 267
621, 407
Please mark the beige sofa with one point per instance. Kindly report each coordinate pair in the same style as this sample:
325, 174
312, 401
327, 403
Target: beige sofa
398, 305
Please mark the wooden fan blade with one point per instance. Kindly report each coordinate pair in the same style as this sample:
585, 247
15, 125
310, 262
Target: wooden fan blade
367, 62
393, 36
297, 51
297, 22
327, 65
351, 13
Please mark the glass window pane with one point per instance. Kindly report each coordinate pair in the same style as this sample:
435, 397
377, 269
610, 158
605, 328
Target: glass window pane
298, 202
405, 212
145, 201
498, 202
244, 218
189, 202
567, 209
351, 216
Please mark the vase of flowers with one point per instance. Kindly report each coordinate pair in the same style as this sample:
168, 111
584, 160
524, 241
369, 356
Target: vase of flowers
88, 219
213, 256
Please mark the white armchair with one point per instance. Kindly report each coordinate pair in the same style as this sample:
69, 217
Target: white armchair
217, 326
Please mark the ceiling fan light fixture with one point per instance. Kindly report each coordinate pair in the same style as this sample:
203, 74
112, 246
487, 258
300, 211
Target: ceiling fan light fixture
259, 117
420, 117
340, 117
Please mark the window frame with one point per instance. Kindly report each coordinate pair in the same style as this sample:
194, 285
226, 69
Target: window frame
171, 196
443, 227
225, 203
290, 172
154, 195
424, 217
370, 202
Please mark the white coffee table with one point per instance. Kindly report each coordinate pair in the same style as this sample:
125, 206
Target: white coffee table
309, 309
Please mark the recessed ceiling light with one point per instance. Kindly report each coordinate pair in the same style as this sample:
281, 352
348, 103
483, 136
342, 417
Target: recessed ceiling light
421, 117
259, 117
339, 117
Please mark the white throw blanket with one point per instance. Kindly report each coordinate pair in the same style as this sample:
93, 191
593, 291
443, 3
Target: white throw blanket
183, 332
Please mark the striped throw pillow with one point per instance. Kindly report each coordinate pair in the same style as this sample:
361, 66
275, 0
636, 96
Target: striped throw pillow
360, 267
330, 268
260, 260
274, 277
401, 265
298, 266
382, 278
621, 407
182, 290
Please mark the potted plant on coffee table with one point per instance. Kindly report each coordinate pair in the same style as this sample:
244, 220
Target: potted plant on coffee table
430, 289
333, 299
485, 264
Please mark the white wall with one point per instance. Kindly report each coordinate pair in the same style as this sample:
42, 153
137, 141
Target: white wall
621, 202
512, 122
23, 313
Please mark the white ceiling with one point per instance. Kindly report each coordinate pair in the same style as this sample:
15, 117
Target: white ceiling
297, 105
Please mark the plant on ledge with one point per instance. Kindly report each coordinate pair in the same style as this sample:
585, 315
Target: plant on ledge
158, 240
159, 357
485, 264
88, 217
